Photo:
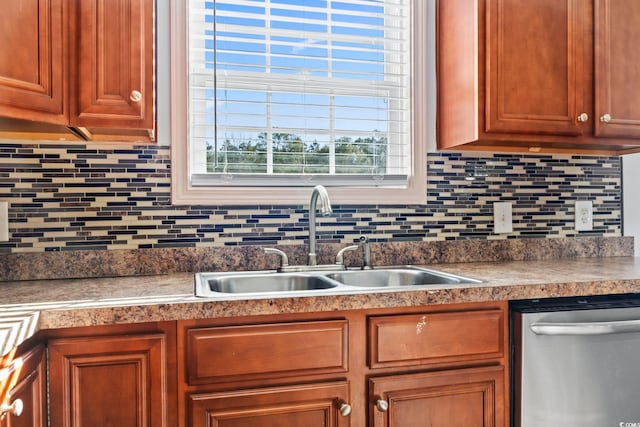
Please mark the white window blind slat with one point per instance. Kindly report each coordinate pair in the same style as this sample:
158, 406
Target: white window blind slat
313, 89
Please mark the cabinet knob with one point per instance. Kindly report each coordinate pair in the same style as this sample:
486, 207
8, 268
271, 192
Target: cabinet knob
15, 408
382, 405
345, 409
135, 96
583, 117
606, 118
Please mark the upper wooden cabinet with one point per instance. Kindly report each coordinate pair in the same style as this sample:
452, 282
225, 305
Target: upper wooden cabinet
617, 68
113, 64
516, 75
85, 64
33, 72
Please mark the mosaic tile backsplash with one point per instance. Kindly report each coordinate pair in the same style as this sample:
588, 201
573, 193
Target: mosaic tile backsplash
71, 197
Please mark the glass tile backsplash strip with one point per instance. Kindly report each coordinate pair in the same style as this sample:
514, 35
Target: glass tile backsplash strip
67, 197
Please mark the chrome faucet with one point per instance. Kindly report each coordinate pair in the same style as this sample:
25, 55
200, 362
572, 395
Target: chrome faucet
284, 259
319, 200
366, 253
340, 256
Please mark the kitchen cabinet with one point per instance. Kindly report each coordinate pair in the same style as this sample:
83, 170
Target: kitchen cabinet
335, 369
113, 66
33, 82
25, 402
309, 405
87, 66
459, 397
546, 76
119, 380
403, 366
451, 394
238, 358
617, 68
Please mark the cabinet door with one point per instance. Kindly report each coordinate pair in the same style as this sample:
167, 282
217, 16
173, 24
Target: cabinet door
114, 64
32, 67
108, 381
537, 66
311, 405
617, 59
30, 389
462, 397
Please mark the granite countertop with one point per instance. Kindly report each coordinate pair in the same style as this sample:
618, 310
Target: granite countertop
29, 306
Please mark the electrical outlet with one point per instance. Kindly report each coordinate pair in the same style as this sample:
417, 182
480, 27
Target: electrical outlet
4, 221
502, 218
584, 215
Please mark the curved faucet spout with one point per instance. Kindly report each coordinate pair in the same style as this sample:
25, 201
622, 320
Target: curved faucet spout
319, 200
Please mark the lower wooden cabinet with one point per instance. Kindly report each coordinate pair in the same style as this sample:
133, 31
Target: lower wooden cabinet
459, 397
436, 366
108, 381
26, 400
311, 405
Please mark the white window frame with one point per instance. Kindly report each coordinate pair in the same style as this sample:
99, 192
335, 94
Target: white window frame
184, 193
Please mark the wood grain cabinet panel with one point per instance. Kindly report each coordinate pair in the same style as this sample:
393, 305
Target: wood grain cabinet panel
313, 405
549, 75
437, 366
29, 385
113, 64
219, 354
32, 61
431, 338
534, 62
78, 69
617, 36
108, 381
461, 397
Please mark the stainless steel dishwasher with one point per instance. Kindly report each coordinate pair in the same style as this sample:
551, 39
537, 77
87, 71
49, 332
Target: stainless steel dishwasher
576, 362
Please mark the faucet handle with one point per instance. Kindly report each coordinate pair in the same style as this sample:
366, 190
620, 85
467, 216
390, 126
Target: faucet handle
340, 256
284, 260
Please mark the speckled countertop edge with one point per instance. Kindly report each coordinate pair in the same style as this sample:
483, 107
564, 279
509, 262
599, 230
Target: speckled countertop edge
66, 303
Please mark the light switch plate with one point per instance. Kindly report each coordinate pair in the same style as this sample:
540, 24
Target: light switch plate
4, 221
502, 218
584, 215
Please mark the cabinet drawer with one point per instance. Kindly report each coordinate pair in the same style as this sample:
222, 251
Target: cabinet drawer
432, 338
220, 354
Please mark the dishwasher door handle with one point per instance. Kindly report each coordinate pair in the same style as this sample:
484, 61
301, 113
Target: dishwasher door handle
586, 328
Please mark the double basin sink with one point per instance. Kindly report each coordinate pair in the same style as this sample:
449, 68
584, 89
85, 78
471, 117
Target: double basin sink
271, 283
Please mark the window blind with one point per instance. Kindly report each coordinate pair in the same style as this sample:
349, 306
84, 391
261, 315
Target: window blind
312, 89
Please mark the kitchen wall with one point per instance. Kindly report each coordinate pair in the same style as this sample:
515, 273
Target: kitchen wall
631, 199
65, 197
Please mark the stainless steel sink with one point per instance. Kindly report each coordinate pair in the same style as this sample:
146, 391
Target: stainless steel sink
397, 277
209, 284
273, 284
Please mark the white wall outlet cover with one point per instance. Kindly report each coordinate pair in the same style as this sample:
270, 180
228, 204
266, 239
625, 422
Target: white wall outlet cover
584, 215
502, 218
